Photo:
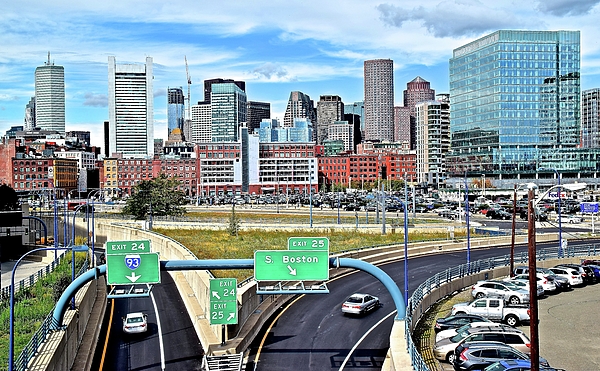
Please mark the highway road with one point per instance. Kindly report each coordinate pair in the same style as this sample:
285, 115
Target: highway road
312, 333
178, 347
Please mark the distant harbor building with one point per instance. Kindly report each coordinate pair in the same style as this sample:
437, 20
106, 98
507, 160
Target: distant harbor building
330, 109
418, 90
257, 111
29, 121
515, 106
175, 109
590, 118
228, 111
432, 139
200, 130
299, 106
131, 108
50, 97
379, 99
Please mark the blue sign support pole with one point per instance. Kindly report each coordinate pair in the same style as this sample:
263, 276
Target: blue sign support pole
406, 241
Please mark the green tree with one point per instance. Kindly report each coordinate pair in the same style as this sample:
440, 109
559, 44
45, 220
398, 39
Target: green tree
234, 222
158, 197
8, 199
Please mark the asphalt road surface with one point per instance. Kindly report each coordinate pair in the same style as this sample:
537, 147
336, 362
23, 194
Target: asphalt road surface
181, 347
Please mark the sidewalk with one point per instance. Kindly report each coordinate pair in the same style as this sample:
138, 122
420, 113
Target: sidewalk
24, 270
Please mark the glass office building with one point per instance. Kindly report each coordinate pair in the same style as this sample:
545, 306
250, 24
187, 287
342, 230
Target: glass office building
229, 109
515, 100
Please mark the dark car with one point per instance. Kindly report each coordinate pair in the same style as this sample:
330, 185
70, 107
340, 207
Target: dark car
501, 215
540, 216
515, 365
480, 354
596, 269
456, 321
352, 207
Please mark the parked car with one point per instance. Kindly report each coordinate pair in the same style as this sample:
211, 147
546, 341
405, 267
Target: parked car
562, 283
494, 310
501, 215
135, 323
571, 219
453, 331
515, 365
457, 321
570, 274
587, 274
596, 269
523, 282
548, 286
352, 207
499, 289
360, 304
443, 350
478, 355
540, 216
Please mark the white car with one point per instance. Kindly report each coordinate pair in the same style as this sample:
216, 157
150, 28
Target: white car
135, 323
548, 286
571, 219
453, 331
571, 274
523, 282
360, 304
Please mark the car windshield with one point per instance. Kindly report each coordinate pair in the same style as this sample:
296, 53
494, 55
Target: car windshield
353, 299
512, 286
495, 367
461, 335
135, 320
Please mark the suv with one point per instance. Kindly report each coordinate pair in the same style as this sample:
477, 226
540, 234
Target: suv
503, 290
571, 274
587, 274
443, 350
479, 354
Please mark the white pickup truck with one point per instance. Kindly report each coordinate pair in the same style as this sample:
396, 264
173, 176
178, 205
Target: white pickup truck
494, 310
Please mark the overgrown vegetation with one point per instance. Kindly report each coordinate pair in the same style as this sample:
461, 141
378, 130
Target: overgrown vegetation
220, 244
32, 305
234, 223
158, 196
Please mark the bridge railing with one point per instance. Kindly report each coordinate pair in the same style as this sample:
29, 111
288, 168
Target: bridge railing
473, 268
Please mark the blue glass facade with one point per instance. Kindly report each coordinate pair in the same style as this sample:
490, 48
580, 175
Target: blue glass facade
175, 109
229, 110
514, 96
271, 131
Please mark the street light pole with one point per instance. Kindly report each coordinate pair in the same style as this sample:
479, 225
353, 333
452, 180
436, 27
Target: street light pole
512, 241
533, 302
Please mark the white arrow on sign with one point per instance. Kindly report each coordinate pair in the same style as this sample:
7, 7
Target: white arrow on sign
133, 277
231, 316
215, 294
292, 271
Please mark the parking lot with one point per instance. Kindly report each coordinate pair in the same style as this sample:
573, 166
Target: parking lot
568, 329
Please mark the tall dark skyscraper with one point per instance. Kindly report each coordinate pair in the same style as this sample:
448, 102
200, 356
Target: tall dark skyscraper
175, 109
257, 111
209, 83
330, 109
379, 99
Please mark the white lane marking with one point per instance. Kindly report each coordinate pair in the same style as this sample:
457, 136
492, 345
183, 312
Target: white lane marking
160, 338
363, 338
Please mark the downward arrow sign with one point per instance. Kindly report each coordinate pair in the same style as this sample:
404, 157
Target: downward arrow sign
215, 294
292, 271
231, 316
133, 277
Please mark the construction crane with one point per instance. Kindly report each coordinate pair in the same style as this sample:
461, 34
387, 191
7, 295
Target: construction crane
189, 83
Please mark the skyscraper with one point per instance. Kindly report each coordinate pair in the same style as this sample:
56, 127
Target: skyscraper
418, 90
379, 99
29, 121
330, 109
257, 111
299, 106
590, 118
50, 97
402, 129
228, 105
432, 139
131, 108
209, 83
175, 109
515, 103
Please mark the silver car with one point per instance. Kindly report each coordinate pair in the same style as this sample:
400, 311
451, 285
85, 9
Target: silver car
360, 304
507, 291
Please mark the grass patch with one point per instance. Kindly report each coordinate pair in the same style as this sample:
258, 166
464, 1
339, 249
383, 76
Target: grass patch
32, 305
220, 244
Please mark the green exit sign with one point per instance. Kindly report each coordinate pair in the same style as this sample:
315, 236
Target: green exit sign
308, 243
286, 265
126, 247
223, 301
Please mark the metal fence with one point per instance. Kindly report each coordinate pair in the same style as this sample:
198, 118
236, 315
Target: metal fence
433, 283
40, 335
32, 279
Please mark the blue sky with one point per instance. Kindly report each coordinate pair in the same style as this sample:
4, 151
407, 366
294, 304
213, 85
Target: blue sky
317, 47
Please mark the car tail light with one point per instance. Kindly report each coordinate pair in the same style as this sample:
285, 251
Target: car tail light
437, 325
528, 345
462, 355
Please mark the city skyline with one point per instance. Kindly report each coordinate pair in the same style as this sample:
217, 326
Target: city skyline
320, 54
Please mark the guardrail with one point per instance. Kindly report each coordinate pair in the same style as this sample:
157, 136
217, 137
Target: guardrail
32, 279
40, 336
450, 274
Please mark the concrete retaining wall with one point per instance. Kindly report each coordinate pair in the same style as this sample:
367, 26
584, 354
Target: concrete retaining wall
59, 351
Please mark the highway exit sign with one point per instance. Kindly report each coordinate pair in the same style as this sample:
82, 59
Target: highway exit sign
308, 243
127, 269
285, 265
126, 247
223, 301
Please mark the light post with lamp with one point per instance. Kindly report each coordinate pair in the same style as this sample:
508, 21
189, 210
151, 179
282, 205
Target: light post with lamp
11, 342
73, 251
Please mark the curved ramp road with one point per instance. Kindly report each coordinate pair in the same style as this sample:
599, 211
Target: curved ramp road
179, 349
313, 334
